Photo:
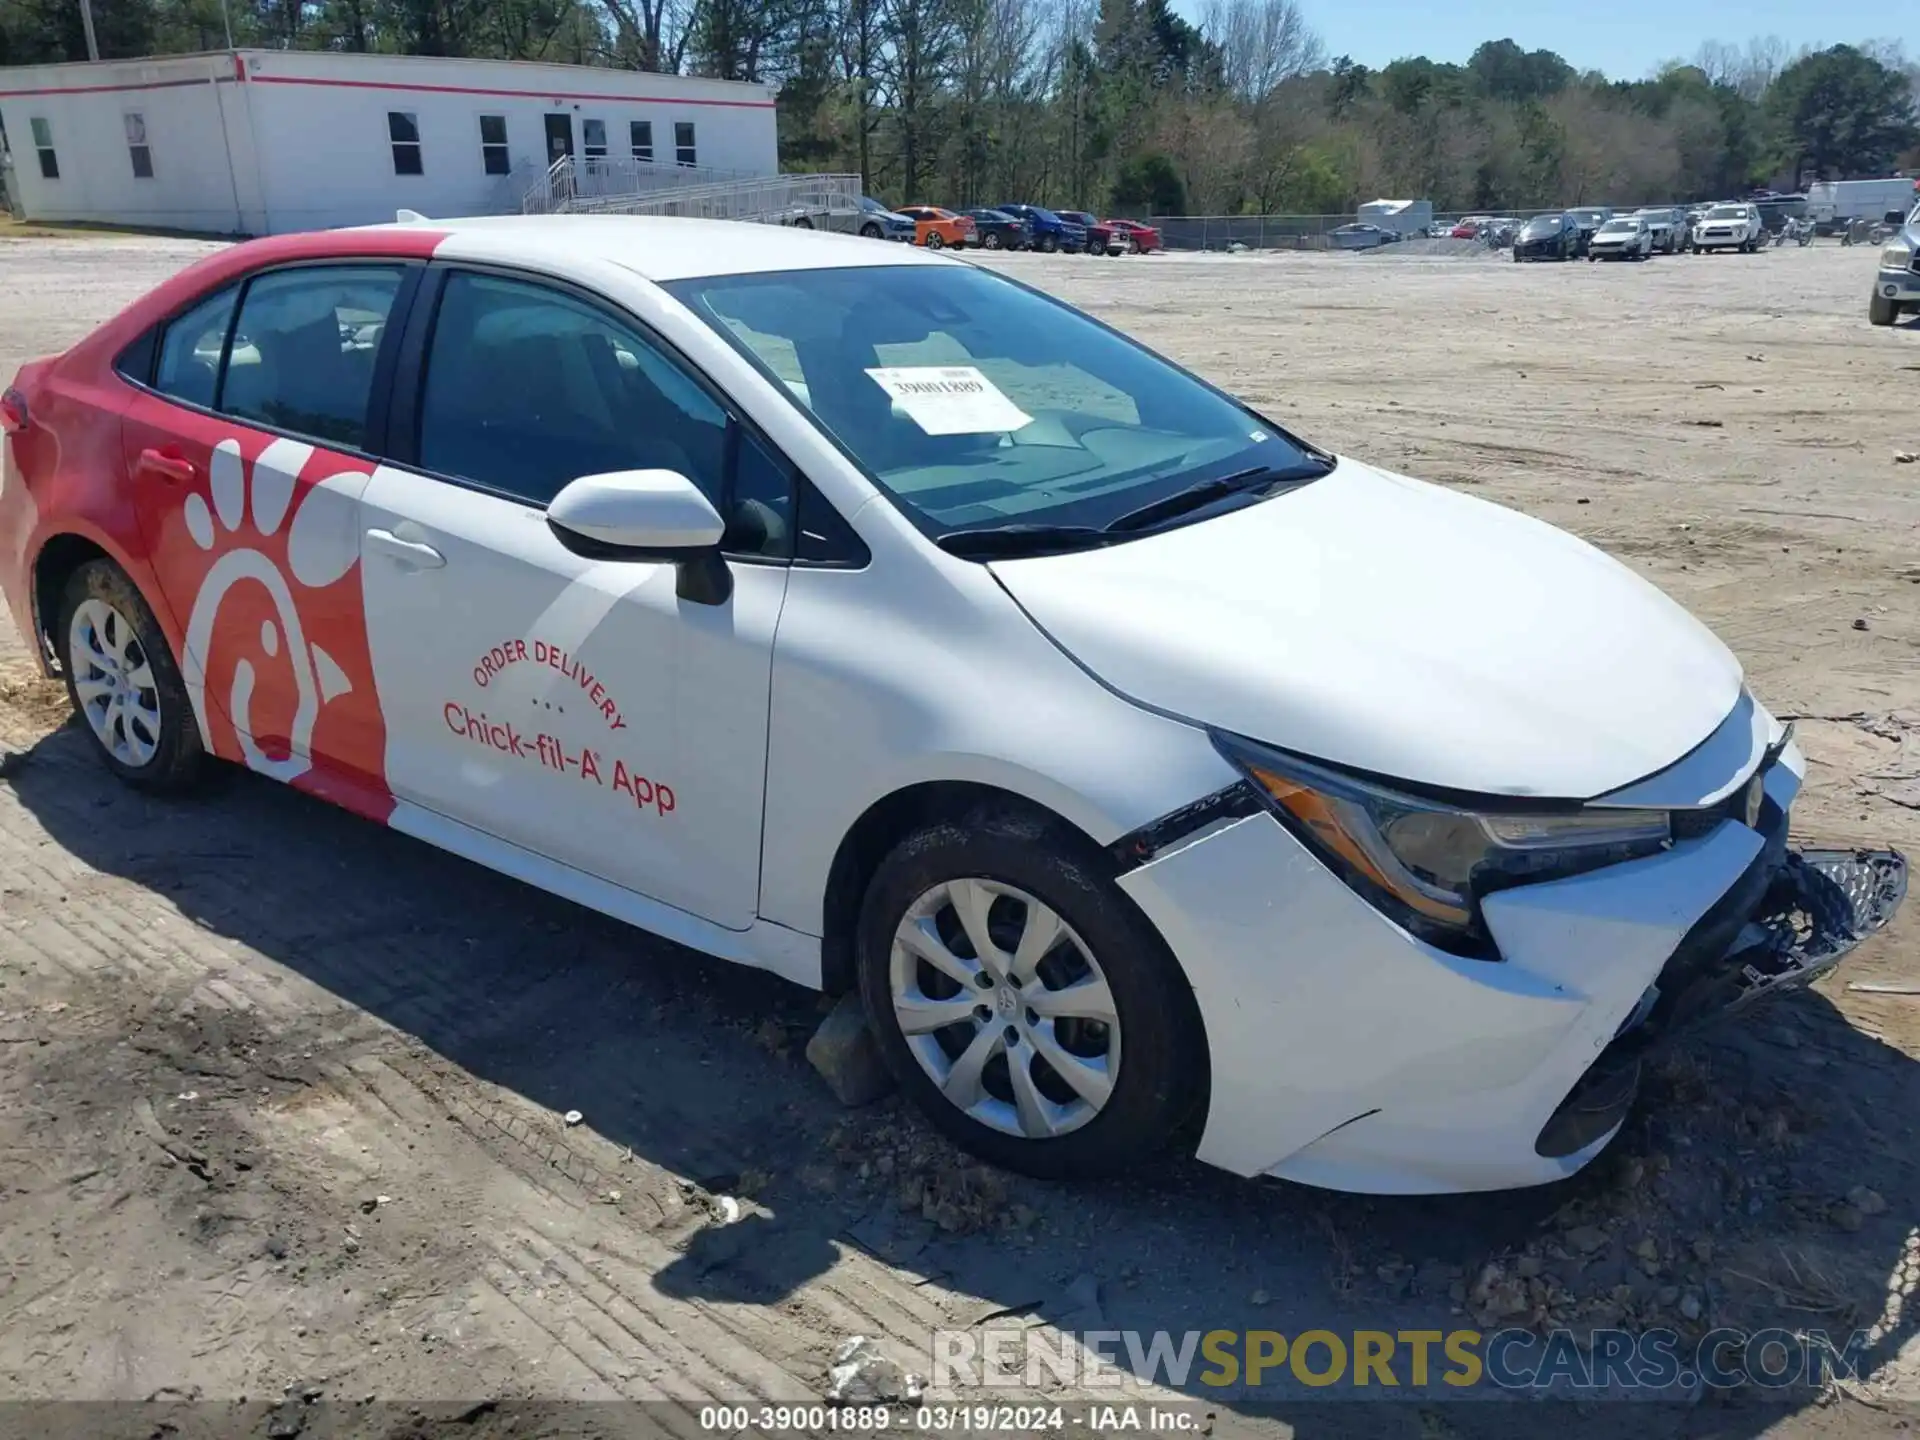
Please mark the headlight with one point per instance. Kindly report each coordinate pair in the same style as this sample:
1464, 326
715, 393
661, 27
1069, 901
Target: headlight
1426, 863
1896, 256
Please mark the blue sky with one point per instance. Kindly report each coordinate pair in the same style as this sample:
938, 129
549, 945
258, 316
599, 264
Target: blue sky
1624, 38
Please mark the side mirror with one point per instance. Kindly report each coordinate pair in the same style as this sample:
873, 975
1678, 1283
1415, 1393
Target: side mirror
646, 515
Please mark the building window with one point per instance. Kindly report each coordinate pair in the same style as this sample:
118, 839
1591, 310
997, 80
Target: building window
593, 139
683, 142
137, 148
43, 142
641, 133
403, 129
493, 144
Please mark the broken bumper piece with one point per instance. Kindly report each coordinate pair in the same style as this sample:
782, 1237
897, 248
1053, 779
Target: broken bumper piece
1814, 906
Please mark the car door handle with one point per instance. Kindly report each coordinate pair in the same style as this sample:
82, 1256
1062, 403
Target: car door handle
414, 554
169, 464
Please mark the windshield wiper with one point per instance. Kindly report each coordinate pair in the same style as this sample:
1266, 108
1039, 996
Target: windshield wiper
985, 542
1195, 497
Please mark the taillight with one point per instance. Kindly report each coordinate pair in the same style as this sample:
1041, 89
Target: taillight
13, 412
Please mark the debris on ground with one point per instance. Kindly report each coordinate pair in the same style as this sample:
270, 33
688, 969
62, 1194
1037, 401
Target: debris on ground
1904, 457
844, 1053
864, 1374
572, 1118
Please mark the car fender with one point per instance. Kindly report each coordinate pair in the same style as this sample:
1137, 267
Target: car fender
948, 681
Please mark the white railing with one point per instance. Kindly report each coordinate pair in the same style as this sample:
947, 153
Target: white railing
629, 187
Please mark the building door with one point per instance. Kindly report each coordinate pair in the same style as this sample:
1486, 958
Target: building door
559, 136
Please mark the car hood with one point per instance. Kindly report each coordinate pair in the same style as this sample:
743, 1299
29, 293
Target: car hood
1388, 625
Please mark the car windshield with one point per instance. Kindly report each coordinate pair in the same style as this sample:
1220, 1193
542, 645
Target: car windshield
1544, 224
873, 206
974, 401
1727, 212
1619, 227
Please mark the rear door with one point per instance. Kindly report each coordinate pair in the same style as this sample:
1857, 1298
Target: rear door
248, 447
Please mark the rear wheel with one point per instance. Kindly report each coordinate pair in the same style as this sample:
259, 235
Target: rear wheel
123, 680
934, 242
803, 223
1023, 1002
1049, 244
991, 240
1881, 310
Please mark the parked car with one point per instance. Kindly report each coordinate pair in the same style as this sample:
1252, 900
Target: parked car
1468, 227
1500, 232
1362, 236
740, 675
997, 230
1589, 219
1621, 238
876, 222
1896, 286
1136, 237
1100, 239
1729, 227
1050, 231
936, 228
1548, 237
1667, 222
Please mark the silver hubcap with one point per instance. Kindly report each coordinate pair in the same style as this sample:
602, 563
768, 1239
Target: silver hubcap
114, 682
1005, 1008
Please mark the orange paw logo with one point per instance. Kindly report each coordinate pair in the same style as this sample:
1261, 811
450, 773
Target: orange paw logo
271, 609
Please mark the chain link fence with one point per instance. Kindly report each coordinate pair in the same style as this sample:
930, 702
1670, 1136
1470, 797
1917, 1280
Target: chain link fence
1302, 232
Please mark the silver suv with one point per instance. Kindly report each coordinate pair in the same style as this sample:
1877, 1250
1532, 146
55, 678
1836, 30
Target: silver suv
1896, 288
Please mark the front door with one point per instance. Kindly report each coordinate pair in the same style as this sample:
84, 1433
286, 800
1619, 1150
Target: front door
246, 462
575, 708
559, 136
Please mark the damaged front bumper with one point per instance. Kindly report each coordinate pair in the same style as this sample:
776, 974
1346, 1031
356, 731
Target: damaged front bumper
1348, 1054
1814, 906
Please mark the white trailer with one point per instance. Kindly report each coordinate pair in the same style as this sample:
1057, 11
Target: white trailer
1408, 217
1832, 203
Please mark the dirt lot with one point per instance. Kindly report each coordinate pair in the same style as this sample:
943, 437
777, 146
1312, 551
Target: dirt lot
281, 1094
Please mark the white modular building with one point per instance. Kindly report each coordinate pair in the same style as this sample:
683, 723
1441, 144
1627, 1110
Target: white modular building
259, 142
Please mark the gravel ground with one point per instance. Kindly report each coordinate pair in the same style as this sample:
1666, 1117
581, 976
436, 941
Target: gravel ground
281, 1094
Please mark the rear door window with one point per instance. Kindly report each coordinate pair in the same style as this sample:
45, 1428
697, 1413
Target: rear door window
304, 348
189, 368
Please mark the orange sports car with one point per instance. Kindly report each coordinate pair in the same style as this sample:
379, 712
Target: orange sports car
936, 228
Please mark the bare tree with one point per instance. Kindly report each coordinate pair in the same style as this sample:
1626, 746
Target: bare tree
916, 61
1262, 44
649, 34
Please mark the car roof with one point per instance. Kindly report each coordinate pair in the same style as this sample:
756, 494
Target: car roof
659, 248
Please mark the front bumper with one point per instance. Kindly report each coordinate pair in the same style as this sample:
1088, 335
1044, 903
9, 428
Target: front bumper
1900, 286
1347, 1054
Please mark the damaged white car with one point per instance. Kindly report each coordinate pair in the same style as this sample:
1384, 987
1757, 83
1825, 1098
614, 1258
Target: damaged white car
1155, 776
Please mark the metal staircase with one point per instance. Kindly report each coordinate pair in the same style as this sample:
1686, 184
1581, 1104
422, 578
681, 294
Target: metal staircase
630, 187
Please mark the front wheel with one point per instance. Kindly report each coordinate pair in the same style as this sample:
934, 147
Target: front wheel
1881, 310
803, 223
1049, 244
934, 242
1023, 1002
991, 240
123, 680
870, 230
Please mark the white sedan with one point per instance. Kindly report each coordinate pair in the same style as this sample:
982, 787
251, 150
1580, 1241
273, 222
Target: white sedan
1152, 774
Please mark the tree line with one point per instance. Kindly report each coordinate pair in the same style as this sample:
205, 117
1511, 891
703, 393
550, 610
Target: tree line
1125, 104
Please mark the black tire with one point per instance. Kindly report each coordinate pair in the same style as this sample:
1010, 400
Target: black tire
1881, 311
1160, 1080
1049, 244
934, 242
179, 758
991, 240
803, 223
870, 230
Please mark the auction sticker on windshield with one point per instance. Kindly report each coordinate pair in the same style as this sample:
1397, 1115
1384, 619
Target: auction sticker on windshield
950, 399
